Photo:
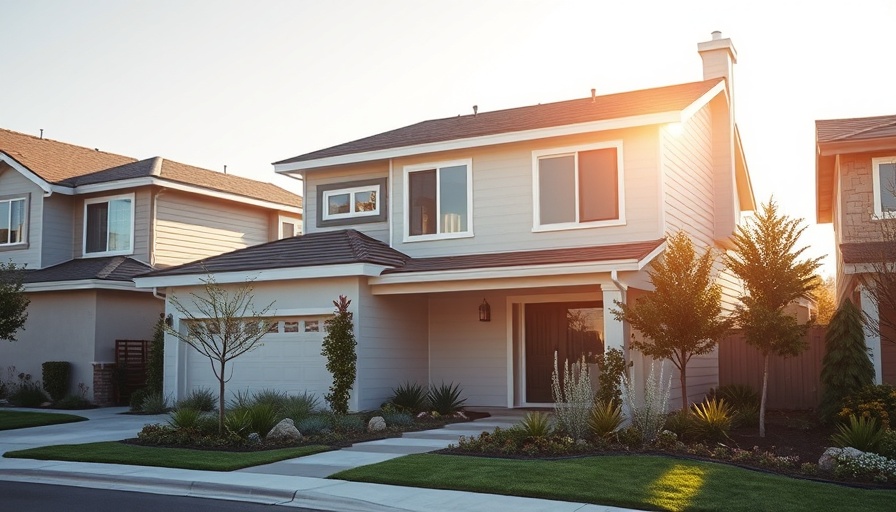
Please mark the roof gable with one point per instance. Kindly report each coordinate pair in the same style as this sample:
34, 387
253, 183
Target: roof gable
859, 128
673, 98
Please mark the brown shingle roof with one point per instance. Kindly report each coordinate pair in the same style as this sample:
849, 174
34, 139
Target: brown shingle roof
611, 106
868, 252
859, 128
632, 251
70, 166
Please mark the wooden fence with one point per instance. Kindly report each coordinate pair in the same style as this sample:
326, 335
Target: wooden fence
131, 358
793, 382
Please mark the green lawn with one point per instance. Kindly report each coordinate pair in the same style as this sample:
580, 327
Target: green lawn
22, 419
641, 481
114, 452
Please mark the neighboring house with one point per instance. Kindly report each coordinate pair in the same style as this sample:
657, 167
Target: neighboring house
855, 184
85, 222
475, 247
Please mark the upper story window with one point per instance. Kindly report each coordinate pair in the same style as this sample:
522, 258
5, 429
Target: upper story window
439, 200
12, 221
578, 187
109, 225
351, 202
289, 227
884, 177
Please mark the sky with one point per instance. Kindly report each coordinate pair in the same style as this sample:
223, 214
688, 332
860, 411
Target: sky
246, 83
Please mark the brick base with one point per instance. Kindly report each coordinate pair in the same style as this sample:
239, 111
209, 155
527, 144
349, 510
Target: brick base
104, 384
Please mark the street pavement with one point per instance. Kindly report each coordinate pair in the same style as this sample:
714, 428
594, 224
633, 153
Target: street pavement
297, 482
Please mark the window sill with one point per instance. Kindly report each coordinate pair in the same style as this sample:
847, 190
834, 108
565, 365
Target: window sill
574, 225
13, 247
441, 236
107, 254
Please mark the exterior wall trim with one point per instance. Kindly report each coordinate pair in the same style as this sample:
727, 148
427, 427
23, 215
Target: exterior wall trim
278, 274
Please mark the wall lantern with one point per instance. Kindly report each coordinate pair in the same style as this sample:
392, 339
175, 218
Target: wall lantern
169, 320
485, 312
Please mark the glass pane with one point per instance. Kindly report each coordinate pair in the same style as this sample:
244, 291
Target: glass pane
583, 333
557, 189
598, 185
287, 229
365, 201
888, 187
290, 326
120, 225
422, 202
453, 199
338, 204
4, 222
274, 327
96, 227
312, 326
16, 221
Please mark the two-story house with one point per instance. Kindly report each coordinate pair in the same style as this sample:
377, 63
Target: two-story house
476, 247
855, 185
84, 222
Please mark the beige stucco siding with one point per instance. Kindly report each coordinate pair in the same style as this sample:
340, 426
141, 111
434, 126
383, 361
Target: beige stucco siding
503, 202
346, 175
189, 227
123, 316
142, 213
12, 186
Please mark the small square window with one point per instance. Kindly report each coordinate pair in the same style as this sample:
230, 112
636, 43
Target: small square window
274, 328
312, 326
290, 326
351, 202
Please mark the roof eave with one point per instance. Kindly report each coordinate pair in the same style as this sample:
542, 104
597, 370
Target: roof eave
275, 274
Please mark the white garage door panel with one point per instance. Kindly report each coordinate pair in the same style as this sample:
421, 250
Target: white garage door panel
289, 362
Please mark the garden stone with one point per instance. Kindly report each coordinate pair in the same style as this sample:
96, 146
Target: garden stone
285, 431
254, 438
828, 459
376, 423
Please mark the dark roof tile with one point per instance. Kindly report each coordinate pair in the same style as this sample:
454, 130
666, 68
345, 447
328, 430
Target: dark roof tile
858, 128
868, 252
112, 268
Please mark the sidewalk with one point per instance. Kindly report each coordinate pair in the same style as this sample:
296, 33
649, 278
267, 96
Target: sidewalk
296, 482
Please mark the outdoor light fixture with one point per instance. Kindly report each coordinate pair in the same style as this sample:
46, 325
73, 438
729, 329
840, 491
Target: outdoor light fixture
485, 312
169, 320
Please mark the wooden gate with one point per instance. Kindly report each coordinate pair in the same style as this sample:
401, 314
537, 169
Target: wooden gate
131, 358
793, 382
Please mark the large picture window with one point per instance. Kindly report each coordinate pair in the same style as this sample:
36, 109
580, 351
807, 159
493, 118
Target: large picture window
109, 225
12, 221
578, 187
439, 200
884, 178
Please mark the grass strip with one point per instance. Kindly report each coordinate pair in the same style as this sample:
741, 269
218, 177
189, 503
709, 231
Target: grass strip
114, 452
638, 481
23, 419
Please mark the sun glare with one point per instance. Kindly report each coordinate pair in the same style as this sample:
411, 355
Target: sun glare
676, 489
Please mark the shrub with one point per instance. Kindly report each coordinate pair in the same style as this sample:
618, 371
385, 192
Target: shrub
650, 416
314, 425
887, 446
154, 403
155, 366
712, 419
410, 396
846, 367
536, 424
184, 417
137, 398
348, 423
397, 418
263, 416
514, 441
872, 402
445, 399
56, 376
605, 419
735, 395
680, 423
868, 465
27, 393
862, 434
300, 406
238, 422
272, 397
339, 349
73, 401
204, 400
612, 367
573, 398
240, 400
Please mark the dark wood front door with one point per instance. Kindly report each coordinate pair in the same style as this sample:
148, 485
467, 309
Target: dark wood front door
571, 329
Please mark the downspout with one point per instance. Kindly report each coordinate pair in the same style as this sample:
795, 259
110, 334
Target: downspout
614, 276
152, 227
390, 200
156, 294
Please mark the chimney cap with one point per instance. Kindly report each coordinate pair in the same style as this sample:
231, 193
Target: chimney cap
716, 35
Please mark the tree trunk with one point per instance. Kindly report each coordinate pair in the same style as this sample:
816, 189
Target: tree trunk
684, 388
221, 400
762, 402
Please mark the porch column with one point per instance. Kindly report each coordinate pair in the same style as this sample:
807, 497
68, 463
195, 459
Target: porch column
614, 330
872, 339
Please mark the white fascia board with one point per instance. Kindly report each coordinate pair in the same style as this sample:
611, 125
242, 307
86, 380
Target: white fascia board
559, 269
81, 284
542, 281
486, 140
271, 313
26, 172
256, 276
702, 101
651, 256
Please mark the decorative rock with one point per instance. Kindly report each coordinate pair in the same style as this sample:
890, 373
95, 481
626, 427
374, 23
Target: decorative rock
254, 438
376, 423
422, 414
285, 431
461, 415
828, 459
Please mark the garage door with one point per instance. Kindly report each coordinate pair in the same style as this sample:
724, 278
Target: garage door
289, 360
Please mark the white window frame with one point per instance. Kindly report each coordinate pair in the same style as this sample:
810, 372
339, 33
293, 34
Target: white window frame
107, 199
351, 201
575, 150
10, 200
296, 226
878, 186
408, 170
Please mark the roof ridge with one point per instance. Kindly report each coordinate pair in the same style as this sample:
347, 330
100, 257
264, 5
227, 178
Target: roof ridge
110, 267
359, 249
45, 139
890, 122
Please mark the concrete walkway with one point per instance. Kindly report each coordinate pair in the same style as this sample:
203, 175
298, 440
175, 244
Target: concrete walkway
296, 482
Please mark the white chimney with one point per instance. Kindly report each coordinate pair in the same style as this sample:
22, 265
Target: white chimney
719, 58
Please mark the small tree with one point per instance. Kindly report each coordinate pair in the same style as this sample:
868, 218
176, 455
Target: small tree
846, 367
339, 349
155, 367
222, 326
774, 275
825, 300
681, 318
13, 302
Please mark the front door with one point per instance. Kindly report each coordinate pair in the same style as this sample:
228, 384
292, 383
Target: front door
569, 329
